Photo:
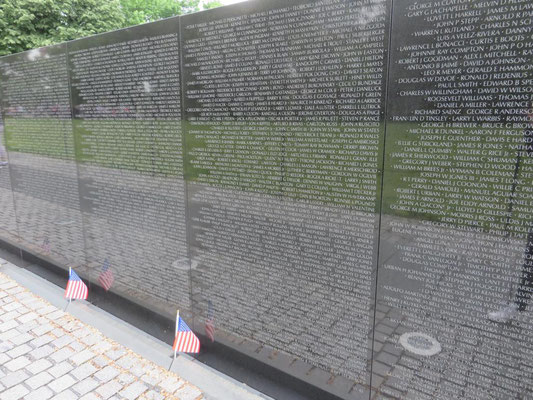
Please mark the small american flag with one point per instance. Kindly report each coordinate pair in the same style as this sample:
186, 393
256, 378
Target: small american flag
210, 322
185, 341
76, 289
106, 277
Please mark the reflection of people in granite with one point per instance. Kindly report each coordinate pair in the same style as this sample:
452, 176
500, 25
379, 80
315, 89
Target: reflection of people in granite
3, 155
3, 152
525, 286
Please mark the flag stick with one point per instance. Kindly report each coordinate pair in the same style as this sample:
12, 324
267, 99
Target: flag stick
70, 298
68, 304
175, 334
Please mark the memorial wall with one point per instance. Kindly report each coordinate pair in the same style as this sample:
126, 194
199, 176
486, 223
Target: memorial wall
343, 188
38, 137
456, 201
127, 128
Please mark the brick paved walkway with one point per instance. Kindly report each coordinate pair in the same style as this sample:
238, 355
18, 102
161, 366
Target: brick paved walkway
46, 353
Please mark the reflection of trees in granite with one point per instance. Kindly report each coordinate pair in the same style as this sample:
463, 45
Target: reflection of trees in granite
443, 281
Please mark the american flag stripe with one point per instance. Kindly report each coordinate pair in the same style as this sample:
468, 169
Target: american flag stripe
186, 342
75, 289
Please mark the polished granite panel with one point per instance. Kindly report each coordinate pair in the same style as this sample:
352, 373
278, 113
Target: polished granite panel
284, 109
7, 205
455, 241
127, 119
40, 146
351, 212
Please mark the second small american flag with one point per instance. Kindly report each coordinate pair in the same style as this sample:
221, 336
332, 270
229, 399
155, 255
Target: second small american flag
76, 289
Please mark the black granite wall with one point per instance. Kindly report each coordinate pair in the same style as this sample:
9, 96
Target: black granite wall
343, 187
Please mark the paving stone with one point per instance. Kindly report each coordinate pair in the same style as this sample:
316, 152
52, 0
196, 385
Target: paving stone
126, 378
15, 289
106, 374
41, 352
81, 357
47, 309
4, 358
43, 393
134, 390
15, 393
62, 341
66, 359
20, 339
66, 395
39, 380
100, 361
109, 389
83, 371
8, 325
82, 331
14, 378
17, 363
85, 386
380, 368
11, 306
188, 392
61, 369
77, 346
138, 370
90, 396
38, 366
115, 353
152, 395
127, 361
41, 340
171, 384
28, 317
42, 329
19, 351
62, 383
9, 316
7, 335
28, 326
8, 284
91, 340
151, 380
62, 354
58, 332
56, 315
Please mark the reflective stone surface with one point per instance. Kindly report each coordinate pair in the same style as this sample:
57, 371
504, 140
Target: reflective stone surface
7, 207
127, 126
38, 135
456, 204
342, 189
284, 110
